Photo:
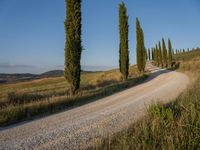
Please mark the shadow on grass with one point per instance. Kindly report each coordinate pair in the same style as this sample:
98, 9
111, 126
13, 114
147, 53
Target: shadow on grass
38, 110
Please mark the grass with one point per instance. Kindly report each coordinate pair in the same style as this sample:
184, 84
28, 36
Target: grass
166, 126
27, 100
187, 56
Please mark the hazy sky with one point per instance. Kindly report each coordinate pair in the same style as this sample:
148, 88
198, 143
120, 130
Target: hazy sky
32, 33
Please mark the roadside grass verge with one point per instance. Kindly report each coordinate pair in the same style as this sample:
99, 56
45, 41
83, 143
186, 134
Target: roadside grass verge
26, 107
175, 125
172, 126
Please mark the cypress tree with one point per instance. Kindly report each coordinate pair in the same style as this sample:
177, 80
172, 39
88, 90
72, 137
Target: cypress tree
160, 54
149, 54
152, 54
138, 46
157, 56
123, 50
164, 50
170, 52
73, 47
146, 55
143, 49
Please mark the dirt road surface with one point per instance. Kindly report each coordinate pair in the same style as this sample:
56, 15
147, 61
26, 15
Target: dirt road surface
82, 127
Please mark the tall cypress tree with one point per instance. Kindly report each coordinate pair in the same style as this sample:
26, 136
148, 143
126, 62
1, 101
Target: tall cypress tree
170, 52
140, 48
149, 54
152, 54
138, 45
164, 50
123, 50
143, 51
146, 55
160, 54
157, 56
73, 47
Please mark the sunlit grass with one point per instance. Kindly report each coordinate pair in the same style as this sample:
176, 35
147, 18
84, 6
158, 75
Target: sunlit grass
25, 100
166, 126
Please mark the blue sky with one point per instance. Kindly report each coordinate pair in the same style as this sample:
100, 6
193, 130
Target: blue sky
32, 33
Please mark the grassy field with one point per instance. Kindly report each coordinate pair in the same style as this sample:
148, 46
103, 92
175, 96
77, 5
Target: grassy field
26, 100
172, 126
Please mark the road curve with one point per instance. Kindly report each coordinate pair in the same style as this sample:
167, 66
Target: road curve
81, 127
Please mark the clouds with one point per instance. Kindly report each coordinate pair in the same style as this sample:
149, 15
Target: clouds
19, 68
8, 65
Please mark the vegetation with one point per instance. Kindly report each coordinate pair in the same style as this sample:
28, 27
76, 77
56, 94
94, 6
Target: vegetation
187, 55
140, 48
26, 100
160, 54
123, 50
164, 50
170, 55
167, 126
73, 47
149, 54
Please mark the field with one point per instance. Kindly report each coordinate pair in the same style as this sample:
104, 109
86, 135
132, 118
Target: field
171, 126
26, 100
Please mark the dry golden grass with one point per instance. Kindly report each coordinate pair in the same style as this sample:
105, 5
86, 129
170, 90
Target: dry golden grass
172, 126
26, 100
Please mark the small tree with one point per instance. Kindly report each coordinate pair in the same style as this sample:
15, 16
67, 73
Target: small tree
123, 50
157, 56
164, 50
149, 54
73, 47
146, 55
170, 52
160, 54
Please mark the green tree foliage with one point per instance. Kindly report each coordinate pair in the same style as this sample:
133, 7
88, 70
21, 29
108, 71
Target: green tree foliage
157, 58
144, 51
73, 47
170, 52
123, 50
160, 54
146, 55
140, 48
149, 54
153, 54
164, 51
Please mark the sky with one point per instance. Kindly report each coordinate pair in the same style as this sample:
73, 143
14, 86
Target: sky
32, 35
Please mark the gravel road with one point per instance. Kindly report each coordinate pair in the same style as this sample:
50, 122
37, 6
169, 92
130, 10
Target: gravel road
82, 127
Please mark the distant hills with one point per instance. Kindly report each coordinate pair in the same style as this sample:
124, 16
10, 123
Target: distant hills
10, 78
13, 78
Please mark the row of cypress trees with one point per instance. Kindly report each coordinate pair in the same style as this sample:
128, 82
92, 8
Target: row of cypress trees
73, 45
161, 55
123, 46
